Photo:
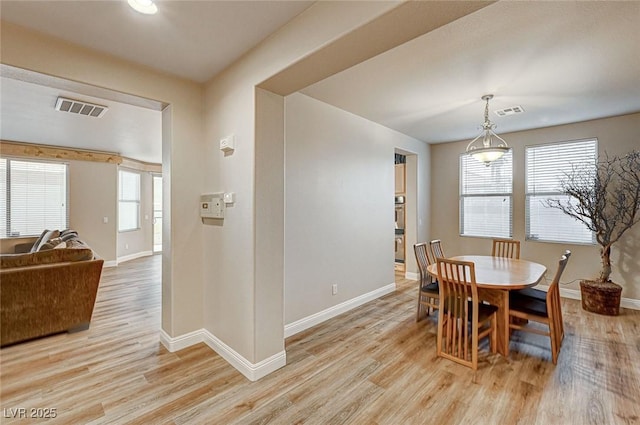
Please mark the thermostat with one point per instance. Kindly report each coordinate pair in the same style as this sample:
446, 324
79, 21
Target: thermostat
212, 205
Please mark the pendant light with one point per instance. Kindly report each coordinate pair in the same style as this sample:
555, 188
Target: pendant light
488, 146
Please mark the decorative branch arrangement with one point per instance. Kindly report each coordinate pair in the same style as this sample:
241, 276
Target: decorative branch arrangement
606, 198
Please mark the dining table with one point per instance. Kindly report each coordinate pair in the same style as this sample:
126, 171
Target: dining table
495, 277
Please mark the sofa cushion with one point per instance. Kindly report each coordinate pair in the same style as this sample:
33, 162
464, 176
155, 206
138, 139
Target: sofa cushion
44, 238
37, 241
53, 243
79, 252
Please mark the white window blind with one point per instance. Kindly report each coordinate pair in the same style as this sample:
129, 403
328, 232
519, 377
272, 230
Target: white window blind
546, 166
486, 195
129, 201
34, 197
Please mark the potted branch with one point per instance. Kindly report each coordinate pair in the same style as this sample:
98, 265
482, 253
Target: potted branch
606, 198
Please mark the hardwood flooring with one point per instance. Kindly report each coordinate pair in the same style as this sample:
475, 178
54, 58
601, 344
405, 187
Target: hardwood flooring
372, 365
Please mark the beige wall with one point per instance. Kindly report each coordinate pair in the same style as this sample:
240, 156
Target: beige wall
182, 152
234, 251
92, 196
339, 209
615, 135
140, 241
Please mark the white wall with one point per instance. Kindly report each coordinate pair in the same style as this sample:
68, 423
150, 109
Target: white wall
339, 208
615, 135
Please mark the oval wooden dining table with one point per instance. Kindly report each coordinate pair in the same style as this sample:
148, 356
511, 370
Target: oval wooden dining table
495, 277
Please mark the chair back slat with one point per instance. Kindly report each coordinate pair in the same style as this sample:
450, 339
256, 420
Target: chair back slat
507, 248
436, 249
423, 259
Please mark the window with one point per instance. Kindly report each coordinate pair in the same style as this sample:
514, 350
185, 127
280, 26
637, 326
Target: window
129, 201
546, 166
33, 196
486, 197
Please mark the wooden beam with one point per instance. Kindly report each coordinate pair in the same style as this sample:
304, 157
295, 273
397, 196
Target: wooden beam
32, 150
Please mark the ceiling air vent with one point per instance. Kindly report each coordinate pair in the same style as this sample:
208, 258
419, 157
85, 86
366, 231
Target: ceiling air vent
509, 111
78, 107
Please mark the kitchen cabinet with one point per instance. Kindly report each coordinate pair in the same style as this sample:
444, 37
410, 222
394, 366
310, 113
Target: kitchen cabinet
400, 178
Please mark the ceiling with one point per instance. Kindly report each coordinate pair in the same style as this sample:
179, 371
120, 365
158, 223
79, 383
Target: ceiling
560, 61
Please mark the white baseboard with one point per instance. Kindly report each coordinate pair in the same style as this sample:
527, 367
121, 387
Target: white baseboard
252, 371
182, 341
317, 318
411, 275
111, 263
133, 256
574, 294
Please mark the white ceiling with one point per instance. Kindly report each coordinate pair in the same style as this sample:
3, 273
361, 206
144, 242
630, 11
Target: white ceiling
192, 39
560, 61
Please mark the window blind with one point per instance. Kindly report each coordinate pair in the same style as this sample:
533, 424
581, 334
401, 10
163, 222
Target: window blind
546, 166
34, 197
129, 201
486, 195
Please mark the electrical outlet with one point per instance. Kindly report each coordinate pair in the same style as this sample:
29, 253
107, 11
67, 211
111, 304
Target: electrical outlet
334, 289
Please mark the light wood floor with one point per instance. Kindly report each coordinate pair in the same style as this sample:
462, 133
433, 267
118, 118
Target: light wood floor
373, 365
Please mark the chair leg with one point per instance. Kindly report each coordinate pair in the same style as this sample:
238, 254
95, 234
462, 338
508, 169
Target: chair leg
493, 342
554, 342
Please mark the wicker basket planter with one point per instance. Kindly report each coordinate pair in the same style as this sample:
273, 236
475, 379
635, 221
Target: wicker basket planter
601, 297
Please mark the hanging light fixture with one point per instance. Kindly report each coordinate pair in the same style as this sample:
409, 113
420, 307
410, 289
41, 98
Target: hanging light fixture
484, 148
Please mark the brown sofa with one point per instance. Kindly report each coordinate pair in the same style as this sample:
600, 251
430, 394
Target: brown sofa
47, 291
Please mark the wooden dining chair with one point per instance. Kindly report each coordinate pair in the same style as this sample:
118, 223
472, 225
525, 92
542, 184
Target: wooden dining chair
541, 295
529, 306
436, 249
507, 248
462, 319
428, 293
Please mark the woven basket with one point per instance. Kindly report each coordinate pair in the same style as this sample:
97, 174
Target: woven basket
601, 297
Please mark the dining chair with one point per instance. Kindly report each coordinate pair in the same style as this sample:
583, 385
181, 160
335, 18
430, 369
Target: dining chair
436, 249
542, 296
507, 248
462, 319
542, 307
428, 293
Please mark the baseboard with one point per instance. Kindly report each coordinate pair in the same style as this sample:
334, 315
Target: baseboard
317, 318
574, 294
411, 276
133, 256
111, 263
180, 342
252, 371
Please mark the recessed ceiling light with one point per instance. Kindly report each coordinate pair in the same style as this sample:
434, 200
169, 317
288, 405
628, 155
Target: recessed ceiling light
148, 7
